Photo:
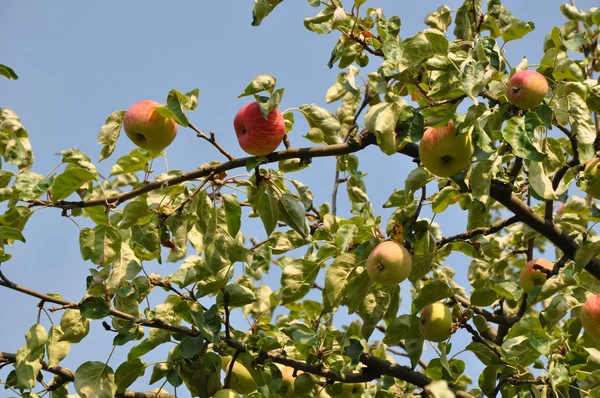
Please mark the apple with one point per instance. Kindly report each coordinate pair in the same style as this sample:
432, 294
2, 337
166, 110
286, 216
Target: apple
560, 210
526, 89
592, 175
240, 380
389, 263
443, 152
147, 128
590, 316
256, 135
349, 390
531, 277
226, 393
435, 323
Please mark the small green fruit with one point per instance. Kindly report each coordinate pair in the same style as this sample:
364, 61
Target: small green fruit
226, 393
240, 380
435, 323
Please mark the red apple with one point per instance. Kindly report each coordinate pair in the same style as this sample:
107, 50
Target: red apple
258, 136
531, 277
590, 316
389, 263
526, 89
444, 153
147, 128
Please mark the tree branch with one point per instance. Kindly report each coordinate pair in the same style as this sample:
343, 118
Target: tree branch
212, 140
492, 229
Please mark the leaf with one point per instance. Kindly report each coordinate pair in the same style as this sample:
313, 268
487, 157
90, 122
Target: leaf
336, 278
28, 357
95, 379
77, 158
559, 307
447, 196
156, 337
208, 323
56, 346
135, 212
74, 326
258, 84
297, 279
372, 309
414, 342
101, 245
31, 185
424, 253
233, 213
397, 330
516, 29
128, 372
585, 253
94, 308
381, 120
135, 160
323, 120
419, 48
238, 296
109, 132
439, 19
174, 108
475, 76
261, 9
508, 289
126, 267
69, 181
429, 294
541, 183
520, 141
293, 214
415, 180
8, 72
359, 284
9, 233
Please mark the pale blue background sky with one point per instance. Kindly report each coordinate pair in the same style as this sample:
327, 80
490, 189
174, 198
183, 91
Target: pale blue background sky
79, 61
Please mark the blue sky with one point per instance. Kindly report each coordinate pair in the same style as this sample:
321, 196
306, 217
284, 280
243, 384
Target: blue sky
79, 61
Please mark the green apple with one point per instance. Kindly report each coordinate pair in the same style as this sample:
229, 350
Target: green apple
590, 316
526, 89
349, 390
389, 263
591, 175
147, 128
287, 388
256, 135
531, 277
443, 152
240, 380
226, 393
435, 322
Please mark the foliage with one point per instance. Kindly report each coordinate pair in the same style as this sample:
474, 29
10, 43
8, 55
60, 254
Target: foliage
530, 344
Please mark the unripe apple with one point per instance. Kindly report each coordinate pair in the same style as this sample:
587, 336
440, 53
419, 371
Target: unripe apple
592, 175
444, 153
349, 390
590, 316
240, 380
147, 128
526, 89
531, 277
226, 393
287, 388
389, 263
256, 135
435, 322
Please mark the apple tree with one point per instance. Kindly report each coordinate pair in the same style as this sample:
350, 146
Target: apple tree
513, 147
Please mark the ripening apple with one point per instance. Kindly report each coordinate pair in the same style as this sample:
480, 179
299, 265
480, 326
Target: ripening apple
443, 152
592, 175
435, 323
531, 277
590, 316
240, 380
287, 388
349, 390
256, 135
526, 89
389, 263
226, 393
147, 128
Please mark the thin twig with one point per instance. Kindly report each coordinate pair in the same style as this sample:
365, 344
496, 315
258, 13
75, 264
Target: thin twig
212, 140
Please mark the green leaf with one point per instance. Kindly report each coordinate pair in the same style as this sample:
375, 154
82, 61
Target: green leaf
77, 158
541, 183
475, 76
8, 72
439, 19
267, 104
69, 181
419, 48
445, 198
265, 205
208, 323
109, 132
261, 9
135, 160
56, 346
74, 326
424, 253
258, 84
190, 347
585, 253
238, 296
9, 233
516, 29
336, 278
126, 267
156, 337
372, 309
397, 330
415, 180
101, 245
128, 372
297, 279
359, 284
94, 308
31, 185
508, 289
174, 108
414, 342
28, 357
559, 307
292, 213
381, 120
95, 379
429, 294
323, 120
233, 213
520, 141
306, 196
135, 213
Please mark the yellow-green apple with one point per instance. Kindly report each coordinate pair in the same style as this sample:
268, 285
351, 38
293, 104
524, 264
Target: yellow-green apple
435, 322
256, 135
526, 89
349, 390
443, 152
532, 277
147, 128
303, 384
287, 388
592, 176
240, 379
226, 393
590, 316
389, 263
